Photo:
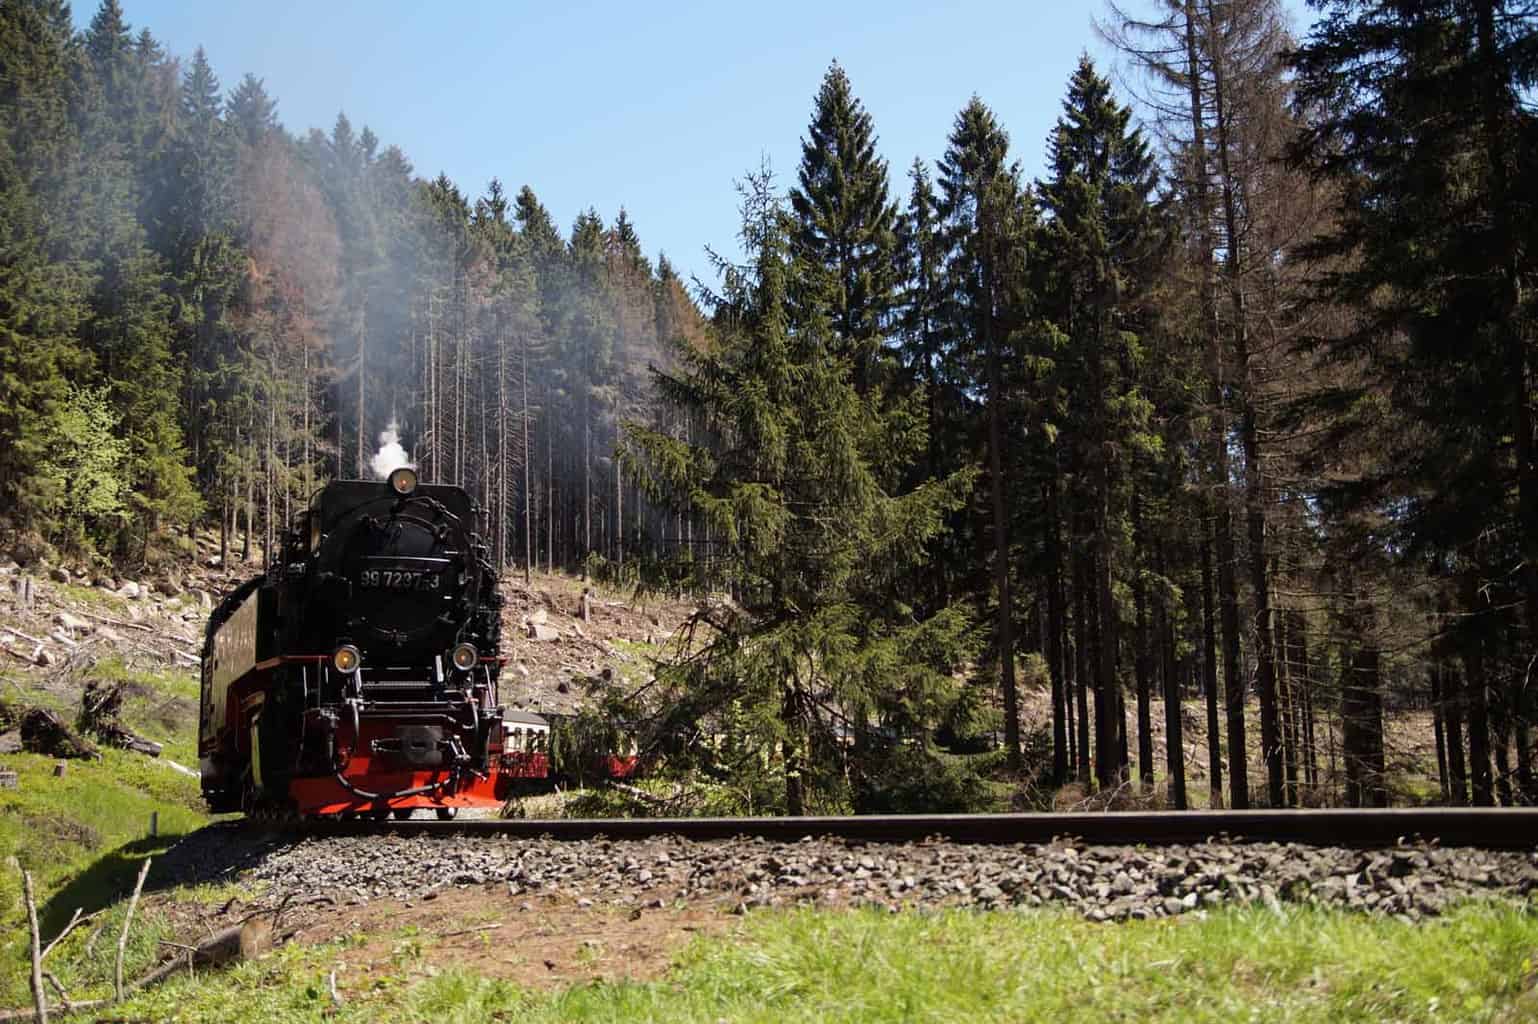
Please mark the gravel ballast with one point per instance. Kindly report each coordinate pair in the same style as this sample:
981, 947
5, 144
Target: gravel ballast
1101, 882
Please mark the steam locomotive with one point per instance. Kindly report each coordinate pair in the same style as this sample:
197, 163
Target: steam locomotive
359, 674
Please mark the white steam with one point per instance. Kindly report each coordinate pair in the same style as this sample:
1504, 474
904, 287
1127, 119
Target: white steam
390, 456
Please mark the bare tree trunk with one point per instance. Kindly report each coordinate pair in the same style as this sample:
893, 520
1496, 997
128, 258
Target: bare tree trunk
1083, 652
1500, 746
1287, 706
550, 484
1174, 725
1439, 730
528, 490
250, 476
268, 530
1005, 628
430, 448
1210, 673
1070, 687
587, 478
1265, 673
1140, 658
619, 499
361, 463
309, 401
1451, 706
1055, 627
1361, 711
1472, 644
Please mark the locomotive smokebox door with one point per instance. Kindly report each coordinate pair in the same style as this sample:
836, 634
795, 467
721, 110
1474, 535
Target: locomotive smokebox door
420, 745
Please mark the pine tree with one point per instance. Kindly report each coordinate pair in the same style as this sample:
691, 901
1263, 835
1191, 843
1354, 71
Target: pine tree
845, 230
1418, 106
921, 317
784, 471
984, 215
41, 300
1103, 241
129, 325
251, 112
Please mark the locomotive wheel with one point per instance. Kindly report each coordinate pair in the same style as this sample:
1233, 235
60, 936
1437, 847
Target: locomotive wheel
447, 813
402, 813
383, 814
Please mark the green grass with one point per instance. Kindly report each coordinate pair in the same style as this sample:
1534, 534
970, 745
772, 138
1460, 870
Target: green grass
160, 704
810, 966
98, 600
83, 837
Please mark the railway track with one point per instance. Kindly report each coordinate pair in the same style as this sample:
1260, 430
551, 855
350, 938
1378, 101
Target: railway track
1489, 828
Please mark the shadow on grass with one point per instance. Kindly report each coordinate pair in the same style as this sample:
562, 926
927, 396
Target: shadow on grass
109, 878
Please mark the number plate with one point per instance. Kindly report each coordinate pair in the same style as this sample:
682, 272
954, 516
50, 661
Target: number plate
401, 579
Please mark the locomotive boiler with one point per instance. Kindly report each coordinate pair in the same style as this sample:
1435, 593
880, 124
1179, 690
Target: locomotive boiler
359, 674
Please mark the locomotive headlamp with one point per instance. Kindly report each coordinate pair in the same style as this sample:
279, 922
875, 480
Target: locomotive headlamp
465, 656
346, 659
403, 480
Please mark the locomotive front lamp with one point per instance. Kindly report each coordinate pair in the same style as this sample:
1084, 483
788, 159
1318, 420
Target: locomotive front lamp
346, 659
465, 656
403, 480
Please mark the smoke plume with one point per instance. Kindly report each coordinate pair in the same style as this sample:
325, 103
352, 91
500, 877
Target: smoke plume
390, 456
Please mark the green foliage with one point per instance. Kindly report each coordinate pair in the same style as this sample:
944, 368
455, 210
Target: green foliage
844, 239
791, 479
84, 464
910, 778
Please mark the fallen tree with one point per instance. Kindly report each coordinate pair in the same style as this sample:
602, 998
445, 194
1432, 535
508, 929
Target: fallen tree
100, 707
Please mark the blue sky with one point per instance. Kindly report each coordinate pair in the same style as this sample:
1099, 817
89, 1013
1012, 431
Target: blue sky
658, 107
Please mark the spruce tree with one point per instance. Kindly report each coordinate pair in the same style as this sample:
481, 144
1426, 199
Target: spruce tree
1420, 120
252, 113
41, 300
785, 469
1102, 242
845, 226
985, 217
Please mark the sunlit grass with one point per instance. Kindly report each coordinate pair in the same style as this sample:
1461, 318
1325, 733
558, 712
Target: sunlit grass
82, 836
807, 966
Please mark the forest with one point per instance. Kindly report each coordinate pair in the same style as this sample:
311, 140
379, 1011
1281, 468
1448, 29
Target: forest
1230, 413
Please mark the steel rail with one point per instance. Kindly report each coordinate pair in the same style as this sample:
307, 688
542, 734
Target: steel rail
1494, 828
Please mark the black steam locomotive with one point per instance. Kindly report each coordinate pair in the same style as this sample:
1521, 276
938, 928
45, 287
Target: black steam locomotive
359, 675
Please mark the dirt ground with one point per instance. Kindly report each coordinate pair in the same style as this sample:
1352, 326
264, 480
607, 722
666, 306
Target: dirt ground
539, 942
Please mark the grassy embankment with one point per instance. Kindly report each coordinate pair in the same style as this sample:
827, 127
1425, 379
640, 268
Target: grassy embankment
83, 835
1248, 964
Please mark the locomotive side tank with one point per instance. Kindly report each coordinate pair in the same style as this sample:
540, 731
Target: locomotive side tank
359, 675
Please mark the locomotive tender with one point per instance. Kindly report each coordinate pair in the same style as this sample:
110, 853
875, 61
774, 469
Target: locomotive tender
359, 674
